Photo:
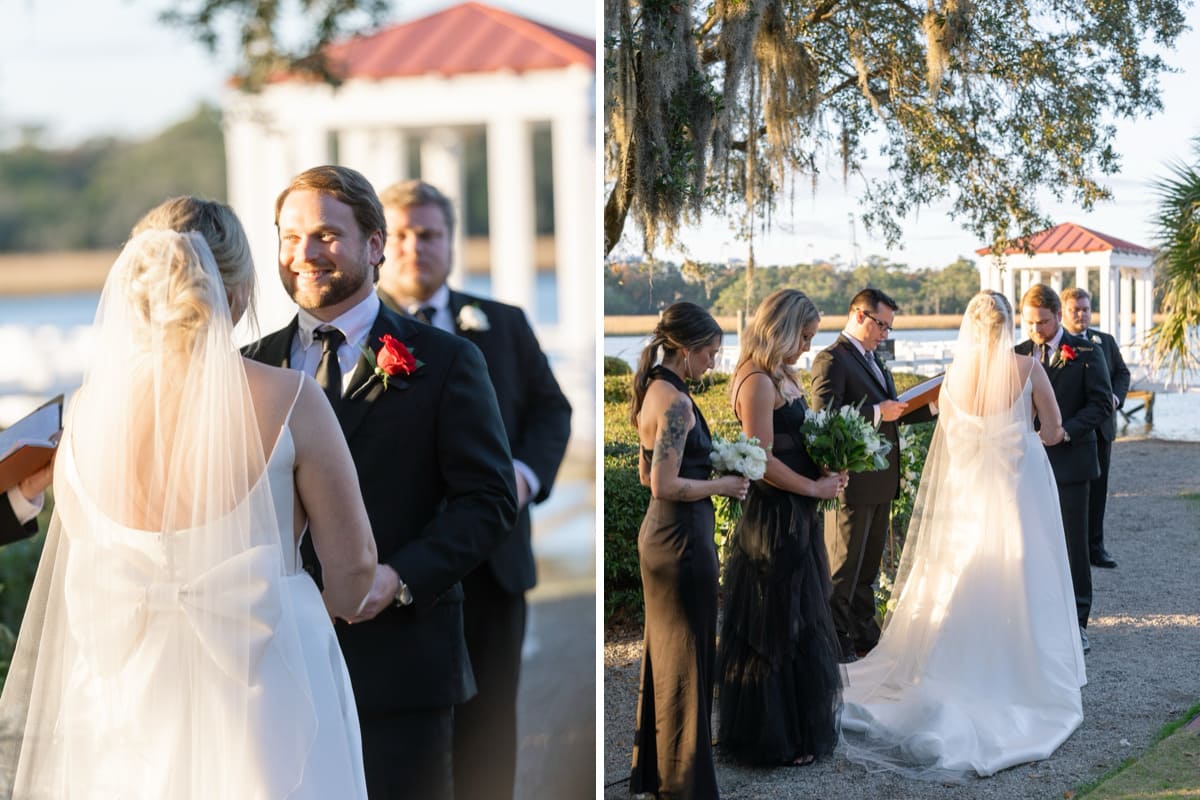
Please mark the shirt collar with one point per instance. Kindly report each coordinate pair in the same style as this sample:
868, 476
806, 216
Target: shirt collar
355, 323
857, 344
438, 300
1057, 340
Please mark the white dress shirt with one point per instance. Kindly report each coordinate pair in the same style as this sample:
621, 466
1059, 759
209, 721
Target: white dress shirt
355, 324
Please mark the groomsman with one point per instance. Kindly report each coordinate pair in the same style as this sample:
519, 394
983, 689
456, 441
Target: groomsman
1077, 318
537, 419
849, 372
20, 506
1079, 375
433, 462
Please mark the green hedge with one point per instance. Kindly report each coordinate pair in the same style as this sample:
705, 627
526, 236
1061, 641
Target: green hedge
625, 499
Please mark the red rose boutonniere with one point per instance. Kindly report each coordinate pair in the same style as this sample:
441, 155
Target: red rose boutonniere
393, 358
1068, 352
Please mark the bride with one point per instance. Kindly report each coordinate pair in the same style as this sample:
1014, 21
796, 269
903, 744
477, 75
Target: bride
171, 646
979, 667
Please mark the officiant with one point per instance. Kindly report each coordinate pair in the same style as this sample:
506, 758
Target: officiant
21, 505
850, 372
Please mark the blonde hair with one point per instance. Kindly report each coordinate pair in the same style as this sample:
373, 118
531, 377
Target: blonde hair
989, 312
774, 332
222, 232
172, 284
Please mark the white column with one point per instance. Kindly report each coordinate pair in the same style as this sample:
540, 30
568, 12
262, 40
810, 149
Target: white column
441, 165
1035, 276
1124, 333
1056, 281
1103, 302
987, 273
574, 171
511, 214
1145, 317
1009, 290
1081, 279
378, 153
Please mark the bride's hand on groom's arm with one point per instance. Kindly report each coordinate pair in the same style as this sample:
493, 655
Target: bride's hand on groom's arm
382, 594
1051, 437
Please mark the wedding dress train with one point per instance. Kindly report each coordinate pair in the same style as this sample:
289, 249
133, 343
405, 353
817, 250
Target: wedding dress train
979, 666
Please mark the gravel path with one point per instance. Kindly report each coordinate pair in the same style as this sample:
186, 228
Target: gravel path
1142, 671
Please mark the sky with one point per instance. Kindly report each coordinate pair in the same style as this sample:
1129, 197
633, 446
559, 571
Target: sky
817, 225
82, 68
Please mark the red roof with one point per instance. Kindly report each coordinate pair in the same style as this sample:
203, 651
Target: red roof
1071, 238
462, 39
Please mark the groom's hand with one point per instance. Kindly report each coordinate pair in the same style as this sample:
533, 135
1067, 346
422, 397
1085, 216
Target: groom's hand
382, 594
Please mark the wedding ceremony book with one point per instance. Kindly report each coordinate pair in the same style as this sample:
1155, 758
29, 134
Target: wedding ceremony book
29, 443
923, 393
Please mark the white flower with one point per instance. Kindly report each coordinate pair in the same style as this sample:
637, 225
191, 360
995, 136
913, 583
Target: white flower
472, 318
743, 456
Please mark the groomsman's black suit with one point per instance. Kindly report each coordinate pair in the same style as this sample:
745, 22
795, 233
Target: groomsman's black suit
11, 530
537, 419
1084, 396
437, 481
1118, 376
856, 532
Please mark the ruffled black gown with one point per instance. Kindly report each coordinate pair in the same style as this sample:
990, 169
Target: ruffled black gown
672, 749
779, 681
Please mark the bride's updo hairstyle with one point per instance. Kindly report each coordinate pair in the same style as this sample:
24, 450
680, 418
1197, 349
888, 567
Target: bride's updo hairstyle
682, 326
222, 232
774, 332
168, 287
989, 313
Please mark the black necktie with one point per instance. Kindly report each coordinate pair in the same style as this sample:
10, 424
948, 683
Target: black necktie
425, 314
329, 370
1046, 356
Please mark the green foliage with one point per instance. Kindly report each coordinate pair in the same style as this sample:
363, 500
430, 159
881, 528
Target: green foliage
18, 566
616, 366
90, 196
945, 290
990, 106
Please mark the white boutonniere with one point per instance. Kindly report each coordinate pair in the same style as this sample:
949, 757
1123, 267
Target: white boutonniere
472, 318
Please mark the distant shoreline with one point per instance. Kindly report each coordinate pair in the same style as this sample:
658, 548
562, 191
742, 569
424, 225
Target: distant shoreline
54, 273
635, 325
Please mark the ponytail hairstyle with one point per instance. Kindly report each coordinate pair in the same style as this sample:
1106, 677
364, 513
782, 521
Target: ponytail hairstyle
682, 326
774, 331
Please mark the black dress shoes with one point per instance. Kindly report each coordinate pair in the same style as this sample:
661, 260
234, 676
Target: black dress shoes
1103, 560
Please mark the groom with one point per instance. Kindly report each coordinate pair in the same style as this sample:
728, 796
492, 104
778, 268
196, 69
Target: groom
1079, 376
849, 372
433, 464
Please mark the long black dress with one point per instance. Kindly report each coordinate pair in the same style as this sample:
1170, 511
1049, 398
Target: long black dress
777, 668
672, 749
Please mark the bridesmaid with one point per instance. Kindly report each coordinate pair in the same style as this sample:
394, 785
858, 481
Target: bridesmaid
672, 751
777, 669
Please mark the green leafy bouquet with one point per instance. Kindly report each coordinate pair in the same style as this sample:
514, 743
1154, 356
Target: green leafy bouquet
842, 439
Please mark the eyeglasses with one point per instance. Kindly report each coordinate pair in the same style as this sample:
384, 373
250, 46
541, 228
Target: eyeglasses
883, 326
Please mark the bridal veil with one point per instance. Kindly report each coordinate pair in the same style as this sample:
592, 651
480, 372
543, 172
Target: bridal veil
157, 616
979, 665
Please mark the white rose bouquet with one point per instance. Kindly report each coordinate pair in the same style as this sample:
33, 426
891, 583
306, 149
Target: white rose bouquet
741, 456
842, 439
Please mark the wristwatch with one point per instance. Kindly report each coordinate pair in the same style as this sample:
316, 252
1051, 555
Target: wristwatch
403, 595
1066, 438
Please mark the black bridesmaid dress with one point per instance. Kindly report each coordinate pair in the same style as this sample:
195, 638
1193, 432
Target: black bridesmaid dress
672, 749
779, 681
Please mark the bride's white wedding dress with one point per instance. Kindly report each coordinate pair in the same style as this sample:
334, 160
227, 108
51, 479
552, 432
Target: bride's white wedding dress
142, 717
979, 666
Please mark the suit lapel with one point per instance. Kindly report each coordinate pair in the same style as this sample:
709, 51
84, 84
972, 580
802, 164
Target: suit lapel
277, 348
365, 386
863, 362
457, 301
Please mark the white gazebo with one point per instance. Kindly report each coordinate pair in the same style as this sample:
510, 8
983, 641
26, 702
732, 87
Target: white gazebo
1126, 271
494, 109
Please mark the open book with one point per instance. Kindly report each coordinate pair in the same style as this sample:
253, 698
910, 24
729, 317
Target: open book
923, 393
29, 444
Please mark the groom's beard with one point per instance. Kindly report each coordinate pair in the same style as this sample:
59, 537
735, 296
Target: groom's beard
322, 284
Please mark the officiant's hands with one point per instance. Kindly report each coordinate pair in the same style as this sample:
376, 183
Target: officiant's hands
36, 483
891, 410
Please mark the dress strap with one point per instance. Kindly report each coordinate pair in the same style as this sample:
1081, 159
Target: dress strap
737, 389
299, 385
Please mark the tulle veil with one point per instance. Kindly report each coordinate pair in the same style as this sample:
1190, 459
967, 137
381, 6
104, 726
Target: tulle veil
158, 608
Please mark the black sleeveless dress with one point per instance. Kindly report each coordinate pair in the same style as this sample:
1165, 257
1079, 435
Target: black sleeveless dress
778, 672
672, 749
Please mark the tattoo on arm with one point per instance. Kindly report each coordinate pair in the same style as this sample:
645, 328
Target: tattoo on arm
672, 433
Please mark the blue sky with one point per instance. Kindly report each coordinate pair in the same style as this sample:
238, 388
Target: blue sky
82, 68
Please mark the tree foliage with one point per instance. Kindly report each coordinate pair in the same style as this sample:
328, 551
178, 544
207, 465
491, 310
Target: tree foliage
647, 287
978, 103
265, 32
88, 197
1173, 342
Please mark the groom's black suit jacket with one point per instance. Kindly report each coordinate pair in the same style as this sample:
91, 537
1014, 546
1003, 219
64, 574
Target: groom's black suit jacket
437, 480
10, 529
841, 376
1084, 395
